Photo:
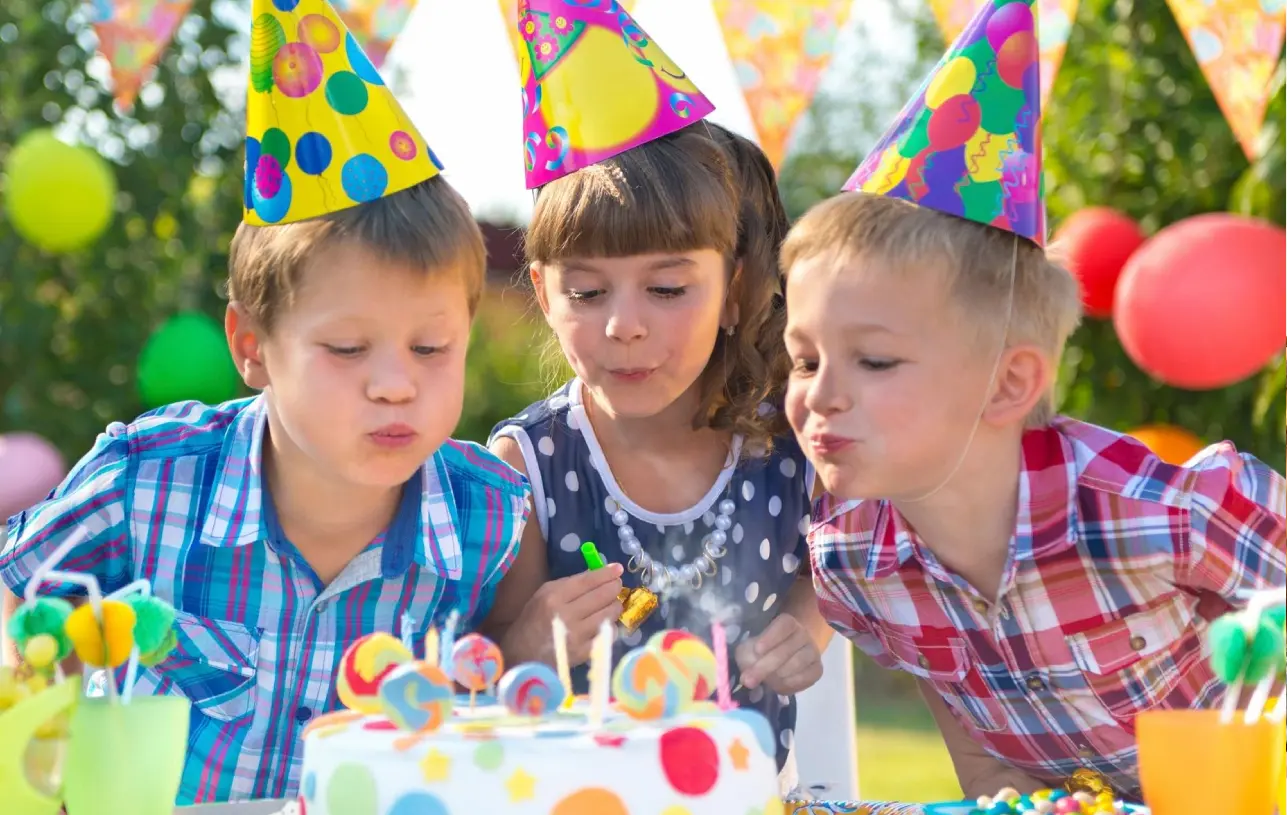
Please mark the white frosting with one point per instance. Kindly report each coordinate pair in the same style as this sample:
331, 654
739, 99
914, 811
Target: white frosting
487, 761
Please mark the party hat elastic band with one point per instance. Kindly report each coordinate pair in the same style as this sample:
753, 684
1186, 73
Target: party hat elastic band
594, 86
323, 132
969, 143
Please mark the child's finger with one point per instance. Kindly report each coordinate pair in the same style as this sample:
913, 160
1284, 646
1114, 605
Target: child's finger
779, 632
767, 664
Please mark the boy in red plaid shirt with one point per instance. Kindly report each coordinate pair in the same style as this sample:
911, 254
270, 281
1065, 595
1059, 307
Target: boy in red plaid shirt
1040, 576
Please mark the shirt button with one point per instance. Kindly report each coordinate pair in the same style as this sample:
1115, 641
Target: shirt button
1035, 683
303, 714
923, 661
1085, 753
980, 605
321, 607
1137, 643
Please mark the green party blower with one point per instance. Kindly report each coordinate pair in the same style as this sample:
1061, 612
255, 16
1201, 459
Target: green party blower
593, 560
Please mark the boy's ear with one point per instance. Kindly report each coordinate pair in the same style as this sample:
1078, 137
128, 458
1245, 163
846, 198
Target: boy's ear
536, 271
1024, 375
245, 343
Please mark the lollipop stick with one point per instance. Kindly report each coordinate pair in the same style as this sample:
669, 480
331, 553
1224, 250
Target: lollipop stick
1279, 713
1256, 707
473, 697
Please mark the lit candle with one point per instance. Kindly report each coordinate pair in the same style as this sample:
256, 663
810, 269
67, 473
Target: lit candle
719, 644
561, 658
432, 655
600, 673
448, 643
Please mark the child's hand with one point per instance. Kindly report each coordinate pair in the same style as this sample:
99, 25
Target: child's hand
583, 601
784, 657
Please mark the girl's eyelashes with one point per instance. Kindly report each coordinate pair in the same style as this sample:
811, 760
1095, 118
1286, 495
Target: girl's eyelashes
876, 365
668, 292
344, 351
582, 295
355, 351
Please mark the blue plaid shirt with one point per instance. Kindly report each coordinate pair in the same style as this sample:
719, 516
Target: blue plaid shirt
177, 497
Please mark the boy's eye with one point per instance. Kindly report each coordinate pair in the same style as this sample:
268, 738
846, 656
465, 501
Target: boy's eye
668, 292
582, 295
427, 350
878, 364
344, 350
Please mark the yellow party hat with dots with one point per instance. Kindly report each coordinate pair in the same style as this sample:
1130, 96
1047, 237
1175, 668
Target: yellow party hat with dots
594, 85
323, 132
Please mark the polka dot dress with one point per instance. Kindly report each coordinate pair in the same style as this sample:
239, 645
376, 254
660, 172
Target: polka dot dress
576, 496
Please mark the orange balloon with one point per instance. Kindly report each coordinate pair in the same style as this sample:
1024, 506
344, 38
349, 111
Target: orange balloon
1172, 444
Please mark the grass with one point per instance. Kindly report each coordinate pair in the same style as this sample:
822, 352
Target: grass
901, 756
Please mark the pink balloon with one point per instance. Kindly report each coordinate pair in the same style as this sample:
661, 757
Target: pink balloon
29, 468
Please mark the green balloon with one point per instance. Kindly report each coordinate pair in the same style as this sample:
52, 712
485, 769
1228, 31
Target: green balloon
187, 358
276, 143
346, 93
59, 198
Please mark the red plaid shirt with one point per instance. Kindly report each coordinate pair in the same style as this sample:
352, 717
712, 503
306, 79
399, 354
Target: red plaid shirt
1096, 618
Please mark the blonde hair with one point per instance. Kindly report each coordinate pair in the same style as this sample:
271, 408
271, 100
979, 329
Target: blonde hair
985, 267
427, 226
678, 193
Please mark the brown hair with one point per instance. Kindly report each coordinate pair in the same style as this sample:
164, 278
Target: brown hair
976, 259
427, 226
678, 193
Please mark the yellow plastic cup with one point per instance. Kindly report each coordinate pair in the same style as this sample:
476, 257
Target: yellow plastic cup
18, 726
1191, 764
126, 758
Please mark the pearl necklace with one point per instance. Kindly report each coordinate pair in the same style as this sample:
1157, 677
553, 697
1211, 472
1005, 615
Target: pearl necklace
664, 579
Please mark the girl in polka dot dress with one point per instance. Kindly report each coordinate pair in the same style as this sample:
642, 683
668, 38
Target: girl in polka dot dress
664, 449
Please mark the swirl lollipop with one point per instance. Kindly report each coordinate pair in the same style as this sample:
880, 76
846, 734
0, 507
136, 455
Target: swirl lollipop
476, 663
695, 659
531, 689
649, 685
417, 696
365, 664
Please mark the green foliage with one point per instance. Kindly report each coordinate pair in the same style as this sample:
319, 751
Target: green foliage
71, 327
1134, 125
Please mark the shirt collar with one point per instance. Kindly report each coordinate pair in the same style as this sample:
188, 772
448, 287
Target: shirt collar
1045, 524
237, 514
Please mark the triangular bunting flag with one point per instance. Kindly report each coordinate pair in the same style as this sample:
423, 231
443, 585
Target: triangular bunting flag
779, 50
969, 143
594, 86
375, 24
510, 12
1237, 43
132, 36
323, 132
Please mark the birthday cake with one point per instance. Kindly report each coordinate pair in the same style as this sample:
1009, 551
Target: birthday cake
408, 745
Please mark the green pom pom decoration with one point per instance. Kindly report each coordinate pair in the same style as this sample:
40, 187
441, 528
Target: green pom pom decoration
1266, 655
154, 657
1228, 642
45, 615
1277, 615
153, 622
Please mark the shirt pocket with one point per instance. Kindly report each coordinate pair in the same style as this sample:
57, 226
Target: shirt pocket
214, 663
1152, 658
944, 662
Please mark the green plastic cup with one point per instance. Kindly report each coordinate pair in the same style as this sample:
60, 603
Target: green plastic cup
126, 758
18, 726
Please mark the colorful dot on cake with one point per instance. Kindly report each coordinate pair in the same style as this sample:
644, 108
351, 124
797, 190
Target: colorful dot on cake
591, 801
676, 810
419, 803
689, 760
351, 790
695, 658
490, 755
365, 665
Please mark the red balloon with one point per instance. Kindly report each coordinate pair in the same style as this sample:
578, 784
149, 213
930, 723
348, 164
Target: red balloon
1096, 242
1200, 305
954, 122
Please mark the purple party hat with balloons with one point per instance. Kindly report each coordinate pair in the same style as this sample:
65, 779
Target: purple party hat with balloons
323, 131
969, 143
594, 86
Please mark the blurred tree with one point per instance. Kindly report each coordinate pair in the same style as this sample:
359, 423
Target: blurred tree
71, 327
1133, 125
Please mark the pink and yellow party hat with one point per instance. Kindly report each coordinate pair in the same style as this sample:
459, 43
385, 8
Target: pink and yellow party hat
594, 86
969, 143
323, 132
